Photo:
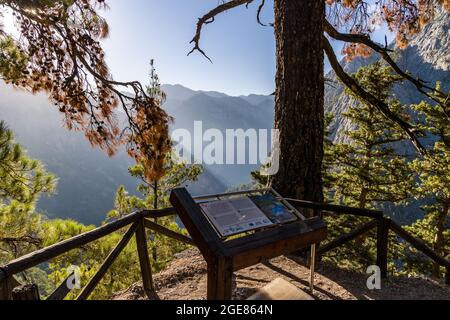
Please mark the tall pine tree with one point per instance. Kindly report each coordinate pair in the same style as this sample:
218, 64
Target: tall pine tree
365, 171
22, 181
434, 182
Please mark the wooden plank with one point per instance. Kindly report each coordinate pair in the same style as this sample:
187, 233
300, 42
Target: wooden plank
212, 279
156, 214
336, 209
312, 267
237, 193
201, 231
62, 291
29, 292
168, 233
86, 292
382, 246
347, 237
144, 261
419, 245
6, 287
220, 280
46, 254
280, 290
272, 243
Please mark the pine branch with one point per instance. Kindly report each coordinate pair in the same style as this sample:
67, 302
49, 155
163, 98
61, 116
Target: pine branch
384, 53
371, 99
210, 17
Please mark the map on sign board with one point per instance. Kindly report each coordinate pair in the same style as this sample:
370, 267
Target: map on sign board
236, 216
274, 209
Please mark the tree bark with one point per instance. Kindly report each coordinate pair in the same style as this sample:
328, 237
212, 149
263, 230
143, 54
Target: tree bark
440, 240
155, 207
299, 109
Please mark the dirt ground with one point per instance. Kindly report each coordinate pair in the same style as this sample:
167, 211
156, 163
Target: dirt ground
185, 279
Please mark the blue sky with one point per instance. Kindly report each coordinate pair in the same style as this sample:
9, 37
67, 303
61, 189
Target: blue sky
242, 51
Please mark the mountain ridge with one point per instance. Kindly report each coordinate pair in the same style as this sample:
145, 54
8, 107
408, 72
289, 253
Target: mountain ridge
89, 179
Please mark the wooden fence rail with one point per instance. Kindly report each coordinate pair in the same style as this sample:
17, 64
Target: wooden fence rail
107, 263
420, 245
54, 251
347, 237
134, 221
168, 233
62, 291
138, 222
383, 225
337, 209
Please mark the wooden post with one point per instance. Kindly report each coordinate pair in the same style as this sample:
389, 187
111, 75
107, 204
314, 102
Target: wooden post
6, 288
312, 268
382, 246
144, 261
28, 292
220, 279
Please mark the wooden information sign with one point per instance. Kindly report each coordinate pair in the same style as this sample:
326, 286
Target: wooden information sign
255, 244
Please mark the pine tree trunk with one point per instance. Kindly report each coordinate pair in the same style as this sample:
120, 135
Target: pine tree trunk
363, 198
440, 241
155, 206
299, 110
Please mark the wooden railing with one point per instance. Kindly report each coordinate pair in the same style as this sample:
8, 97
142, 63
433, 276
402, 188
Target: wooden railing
138, 222
383, 225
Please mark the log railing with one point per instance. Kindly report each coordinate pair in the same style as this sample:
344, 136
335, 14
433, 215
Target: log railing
138, 222
383, 225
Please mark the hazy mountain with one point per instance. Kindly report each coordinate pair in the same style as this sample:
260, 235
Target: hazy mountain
88, 179
222, 112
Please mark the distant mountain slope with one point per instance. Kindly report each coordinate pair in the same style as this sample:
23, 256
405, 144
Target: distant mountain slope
219, 111
88, 179
427, 57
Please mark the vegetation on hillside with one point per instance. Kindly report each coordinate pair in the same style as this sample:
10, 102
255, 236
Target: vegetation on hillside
22, 182
367, 171
23, 229
433, 184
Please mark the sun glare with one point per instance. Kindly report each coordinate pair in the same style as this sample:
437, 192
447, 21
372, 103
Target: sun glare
7, 20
